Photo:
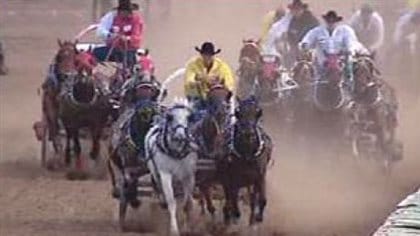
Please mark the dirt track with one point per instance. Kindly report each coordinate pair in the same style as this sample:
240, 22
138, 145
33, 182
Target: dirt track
306, 197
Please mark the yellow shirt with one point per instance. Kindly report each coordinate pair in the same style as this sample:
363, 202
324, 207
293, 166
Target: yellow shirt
196, 68
413, 4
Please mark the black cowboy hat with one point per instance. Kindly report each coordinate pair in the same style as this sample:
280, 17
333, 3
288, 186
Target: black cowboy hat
126, 5
208, 48
297, 4
332, 17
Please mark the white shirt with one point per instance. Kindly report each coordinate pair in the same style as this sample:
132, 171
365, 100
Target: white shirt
342, 39
405, 28
105, 25
276, 32
372, 34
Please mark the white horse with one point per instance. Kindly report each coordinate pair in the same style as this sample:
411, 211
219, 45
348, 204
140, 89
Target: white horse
172, 158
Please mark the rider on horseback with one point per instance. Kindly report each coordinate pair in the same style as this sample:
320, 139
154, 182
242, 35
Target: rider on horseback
294, 26
122, 30
336, 39
407, 25
142, 84
369, 27
205, 71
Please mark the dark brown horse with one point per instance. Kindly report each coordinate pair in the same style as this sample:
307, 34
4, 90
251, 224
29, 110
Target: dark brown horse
249, 64
374, 109
209, 133
82, 105
126, 150
245, 165
61, 70
298, 104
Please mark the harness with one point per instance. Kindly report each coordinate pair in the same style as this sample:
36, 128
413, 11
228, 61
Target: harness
69, 93
235, 152
162, 140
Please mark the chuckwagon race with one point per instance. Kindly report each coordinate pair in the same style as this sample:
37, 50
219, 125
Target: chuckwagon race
219, 117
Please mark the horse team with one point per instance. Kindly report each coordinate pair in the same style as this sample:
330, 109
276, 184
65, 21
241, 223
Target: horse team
182, 152
185, 153
360, 117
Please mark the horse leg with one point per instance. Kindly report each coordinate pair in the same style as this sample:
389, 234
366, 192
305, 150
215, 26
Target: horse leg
227, 208
77, 150
235, 204
253, 203
96, 143
115, 192
188, 188
209, 203
68, 147
168, 191
262, 199
201, 201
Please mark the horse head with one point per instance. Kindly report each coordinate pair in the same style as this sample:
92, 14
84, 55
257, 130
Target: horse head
177, 120
249, 58
247, 139
218, 92
142, 120
248, 110
303, 72
83, 88
365, 83
65, 56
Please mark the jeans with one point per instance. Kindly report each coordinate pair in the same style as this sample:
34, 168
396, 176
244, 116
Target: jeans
117, 55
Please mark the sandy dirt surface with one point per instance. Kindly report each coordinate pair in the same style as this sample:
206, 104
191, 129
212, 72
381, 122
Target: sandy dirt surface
307, 196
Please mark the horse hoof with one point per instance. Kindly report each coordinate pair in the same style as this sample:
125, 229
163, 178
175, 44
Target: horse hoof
259, 218
135, 203
115, 193
164, 205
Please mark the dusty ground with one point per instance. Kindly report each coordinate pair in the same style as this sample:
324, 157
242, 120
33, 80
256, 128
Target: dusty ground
306, 197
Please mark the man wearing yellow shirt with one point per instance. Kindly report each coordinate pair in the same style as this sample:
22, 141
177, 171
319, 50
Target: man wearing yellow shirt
204, 71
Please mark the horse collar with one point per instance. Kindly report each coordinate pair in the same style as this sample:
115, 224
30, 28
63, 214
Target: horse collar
163, 145
259, 151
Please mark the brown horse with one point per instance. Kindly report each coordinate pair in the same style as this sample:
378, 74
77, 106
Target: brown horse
249, 64
374, 107
82, 104
62, 69
209, 133
245, 165
299, 102
76, 100
126, 149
